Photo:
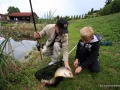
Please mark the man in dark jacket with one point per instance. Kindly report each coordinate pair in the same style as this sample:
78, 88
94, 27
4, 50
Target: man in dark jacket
87, 51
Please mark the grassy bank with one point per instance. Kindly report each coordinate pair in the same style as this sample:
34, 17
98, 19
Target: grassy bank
107, 79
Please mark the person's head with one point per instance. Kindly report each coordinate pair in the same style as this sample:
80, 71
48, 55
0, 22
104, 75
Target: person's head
61, 26
86, 34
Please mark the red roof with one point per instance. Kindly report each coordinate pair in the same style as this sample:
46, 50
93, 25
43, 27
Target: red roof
21, 14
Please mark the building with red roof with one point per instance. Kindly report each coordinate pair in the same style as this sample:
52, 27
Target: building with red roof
22, 16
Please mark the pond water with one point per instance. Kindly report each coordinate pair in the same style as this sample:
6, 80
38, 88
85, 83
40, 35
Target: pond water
19, 49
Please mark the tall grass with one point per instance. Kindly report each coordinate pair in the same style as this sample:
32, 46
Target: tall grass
7, 64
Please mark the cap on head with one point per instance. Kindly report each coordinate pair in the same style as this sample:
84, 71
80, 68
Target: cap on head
63, 25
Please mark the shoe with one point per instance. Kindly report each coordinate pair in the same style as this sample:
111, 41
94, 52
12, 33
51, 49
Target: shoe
52, 62
98, 60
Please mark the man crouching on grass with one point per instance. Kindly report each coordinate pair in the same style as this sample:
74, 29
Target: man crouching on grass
87, 51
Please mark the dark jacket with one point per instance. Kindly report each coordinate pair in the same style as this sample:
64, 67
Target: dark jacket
92, 50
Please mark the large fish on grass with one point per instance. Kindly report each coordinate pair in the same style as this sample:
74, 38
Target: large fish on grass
60, 73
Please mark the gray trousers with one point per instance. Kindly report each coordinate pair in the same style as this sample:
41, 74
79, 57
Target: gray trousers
53, 52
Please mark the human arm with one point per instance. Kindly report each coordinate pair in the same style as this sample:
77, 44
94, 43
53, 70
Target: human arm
65, 51
76, 62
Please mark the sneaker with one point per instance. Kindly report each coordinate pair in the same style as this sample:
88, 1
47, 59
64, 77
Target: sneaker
98, 60
52, 62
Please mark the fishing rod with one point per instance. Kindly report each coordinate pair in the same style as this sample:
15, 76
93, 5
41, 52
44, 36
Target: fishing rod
38, 43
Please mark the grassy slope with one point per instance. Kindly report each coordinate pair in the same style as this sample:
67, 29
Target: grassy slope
109, 28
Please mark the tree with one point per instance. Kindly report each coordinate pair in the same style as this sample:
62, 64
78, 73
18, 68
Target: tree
12, 9
89, 13
71, 17
79, 16
115, 6
57, 17
92, 10
107, 10
67, 18
76, 17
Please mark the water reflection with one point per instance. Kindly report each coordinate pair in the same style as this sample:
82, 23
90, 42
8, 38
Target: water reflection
19, 48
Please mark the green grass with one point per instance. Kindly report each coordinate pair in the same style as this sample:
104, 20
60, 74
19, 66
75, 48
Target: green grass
107, 79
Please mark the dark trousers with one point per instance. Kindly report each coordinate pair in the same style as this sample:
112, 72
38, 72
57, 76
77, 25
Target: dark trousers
92, 65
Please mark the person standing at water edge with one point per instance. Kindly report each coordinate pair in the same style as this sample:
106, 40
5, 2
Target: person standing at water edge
87, 51
57, 39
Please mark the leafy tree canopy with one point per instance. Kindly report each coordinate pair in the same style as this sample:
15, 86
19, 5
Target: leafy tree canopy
112, 6
12, 9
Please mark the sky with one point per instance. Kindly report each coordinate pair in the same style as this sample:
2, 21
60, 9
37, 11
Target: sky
57, 7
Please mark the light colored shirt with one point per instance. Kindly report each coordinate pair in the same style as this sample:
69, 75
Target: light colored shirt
49, 31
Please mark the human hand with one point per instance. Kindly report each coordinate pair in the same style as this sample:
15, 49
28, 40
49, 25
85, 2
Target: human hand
68, 67
36, 35
78, 69
76, 63
67, 64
